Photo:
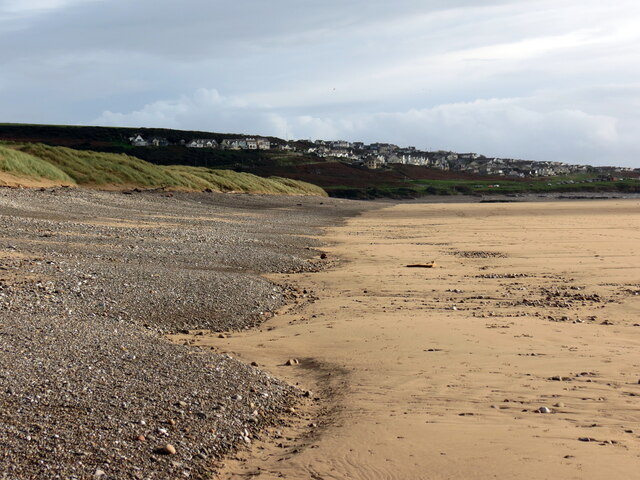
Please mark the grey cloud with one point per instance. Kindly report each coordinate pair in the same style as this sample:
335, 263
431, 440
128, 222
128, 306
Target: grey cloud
508, 127
190, 28
409, 71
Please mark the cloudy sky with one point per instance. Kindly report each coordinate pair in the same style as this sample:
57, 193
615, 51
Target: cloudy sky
536, 79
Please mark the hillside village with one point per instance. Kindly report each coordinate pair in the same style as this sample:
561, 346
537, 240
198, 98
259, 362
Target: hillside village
380, 155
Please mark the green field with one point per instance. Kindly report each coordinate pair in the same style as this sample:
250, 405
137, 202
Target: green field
420, 188
97, 169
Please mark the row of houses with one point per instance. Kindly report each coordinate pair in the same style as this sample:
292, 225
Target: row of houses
249, 143
379, 155
139, 141
246, 143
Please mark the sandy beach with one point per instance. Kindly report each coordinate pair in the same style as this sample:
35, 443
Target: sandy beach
90, 284
515, 356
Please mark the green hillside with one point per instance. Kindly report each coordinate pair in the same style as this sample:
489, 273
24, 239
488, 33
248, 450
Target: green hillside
108, 170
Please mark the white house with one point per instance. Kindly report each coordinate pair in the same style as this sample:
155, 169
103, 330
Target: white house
202, 143
138, 141
234, 143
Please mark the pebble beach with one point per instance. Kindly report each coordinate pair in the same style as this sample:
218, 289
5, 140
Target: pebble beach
91, 283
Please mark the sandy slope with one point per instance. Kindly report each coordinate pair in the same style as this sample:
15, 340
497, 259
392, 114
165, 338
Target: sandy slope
8, 180
438, 373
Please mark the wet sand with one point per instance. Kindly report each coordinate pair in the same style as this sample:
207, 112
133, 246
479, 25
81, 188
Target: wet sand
441, 372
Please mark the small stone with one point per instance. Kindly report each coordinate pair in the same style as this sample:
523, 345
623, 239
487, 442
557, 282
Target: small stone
168, 449
323, 256
222, 335
99, 474
544, 410
171, 421
559, 405
292, 361
291, 410
237, 397
141, 438
254, 364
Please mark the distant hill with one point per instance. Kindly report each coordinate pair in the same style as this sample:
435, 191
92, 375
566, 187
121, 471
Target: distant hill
337, 177
341, 179
92, 137
116, 140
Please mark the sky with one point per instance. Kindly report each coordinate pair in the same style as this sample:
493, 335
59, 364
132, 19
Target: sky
534, 79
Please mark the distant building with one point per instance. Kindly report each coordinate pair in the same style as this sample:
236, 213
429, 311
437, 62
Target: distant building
158, 141
263, 143
340, 144
373, 162
383, 147
138, 141
234, 144
202, 143
229, 144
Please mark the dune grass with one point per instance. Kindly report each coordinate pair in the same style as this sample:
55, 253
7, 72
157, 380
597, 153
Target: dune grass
228, 180
97, 169
22, 164
101, 169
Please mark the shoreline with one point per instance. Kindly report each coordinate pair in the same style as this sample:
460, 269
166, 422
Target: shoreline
72, 250
436, 371
89, 284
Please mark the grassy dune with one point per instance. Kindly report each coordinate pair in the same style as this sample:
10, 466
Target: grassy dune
97, 169
22, 164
